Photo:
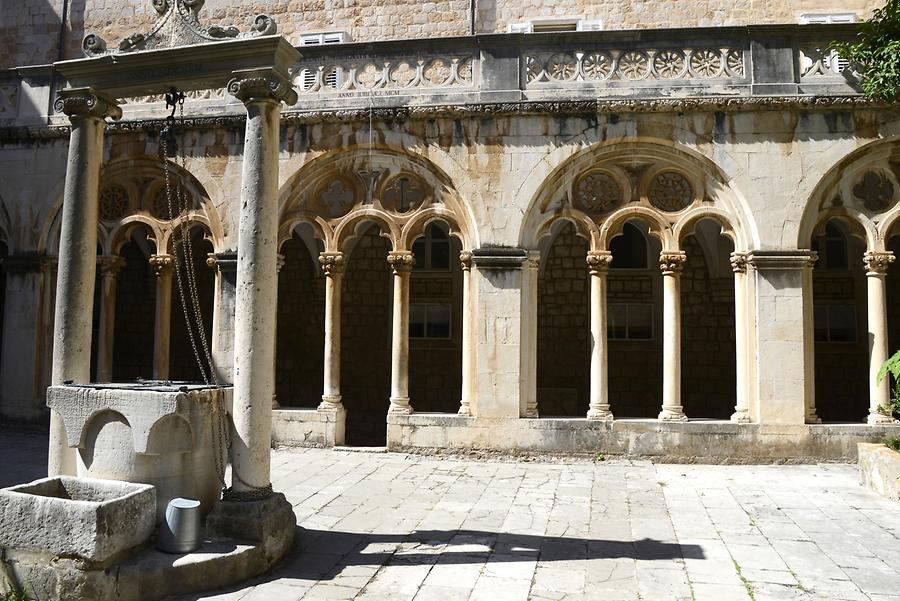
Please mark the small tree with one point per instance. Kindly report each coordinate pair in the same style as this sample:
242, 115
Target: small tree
876, 53
891, 366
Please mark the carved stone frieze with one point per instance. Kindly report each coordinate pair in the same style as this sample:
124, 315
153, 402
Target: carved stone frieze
178, 25
332, 263
85, 102
672, 262
256, 86
877, 263
409, 73
598, 261
401, 261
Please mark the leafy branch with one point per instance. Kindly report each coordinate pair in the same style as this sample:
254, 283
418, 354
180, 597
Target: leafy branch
876, 53
891, 366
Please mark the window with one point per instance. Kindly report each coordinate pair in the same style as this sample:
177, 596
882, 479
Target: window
429, 320
827, 18
545, 25
835, 323
432, 250
831, 247
629, 321
332, 77
629, 250
325, 37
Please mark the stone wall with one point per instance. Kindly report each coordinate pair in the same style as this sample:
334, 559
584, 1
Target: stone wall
135, 310
301, 328
31, 29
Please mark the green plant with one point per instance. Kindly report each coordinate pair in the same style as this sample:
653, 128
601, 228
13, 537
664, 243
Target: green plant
599, 457
893, 443
876, 53
892, 367
15, 595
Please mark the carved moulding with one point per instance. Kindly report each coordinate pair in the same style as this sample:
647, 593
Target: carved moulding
178, 25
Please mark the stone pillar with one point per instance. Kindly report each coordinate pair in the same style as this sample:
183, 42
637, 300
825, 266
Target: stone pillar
401, 263
222, 350
783, 330
162, 332
87, 110
333, 268
741, 413
256, 282
529, 312
671, 263
468, 351
598, 401
279, 263
109, 273
879, 392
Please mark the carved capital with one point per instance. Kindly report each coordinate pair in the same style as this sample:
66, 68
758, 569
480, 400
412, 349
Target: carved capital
598, 261
738, 262
86, 102
401, 261
224, 262
332, 263
162, 264
877, 263
465, 260
110, 266
672, 262
261, 86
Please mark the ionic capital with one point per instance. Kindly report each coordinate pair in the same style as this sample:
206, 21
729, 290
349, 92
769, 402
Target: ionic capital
110, 266
672, 262
332, 263
86, 102
401, 261
598, 261
261, 85
877, 263
465, 260
738, 262
162, 264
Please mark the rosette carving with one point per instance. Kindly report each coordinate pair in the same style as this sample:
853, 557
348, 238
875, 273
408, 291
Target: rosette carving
598, 192
113, 203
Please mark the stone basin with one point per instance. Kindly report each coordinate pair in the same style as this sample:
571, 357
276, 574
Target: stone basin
83, 518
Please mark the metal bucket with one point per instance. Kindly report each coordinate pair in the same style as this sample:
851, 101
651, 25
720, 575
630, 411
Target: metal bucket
182, 528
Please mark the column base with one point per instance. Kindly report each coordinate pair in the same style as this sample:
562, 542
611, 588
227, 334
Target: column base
331, 403
270, 521
600, 414
813, 419
741, 416
275, 404
400, 405
879, 419
672, 414
532, 413
464, 410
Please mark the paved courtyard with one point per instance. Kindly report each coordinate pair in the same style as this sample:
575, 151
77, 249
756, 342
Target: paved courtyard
394, 527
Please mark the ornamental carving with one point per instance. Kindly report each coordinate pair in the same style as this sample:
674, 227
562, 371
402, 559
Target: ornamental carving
877, 263
465, 260
598, 192
598, 261
562, 67
369, 76
670, 191
672, 262
634, 65
159, 204
669, 64
438, 72
377, 73
178, 24
86, 102
113, 203
706, 63
161, 264
597, 65
738, 262
875, 191
401, 261
262, 85
332, 263
403, 74
337, 198
403, 194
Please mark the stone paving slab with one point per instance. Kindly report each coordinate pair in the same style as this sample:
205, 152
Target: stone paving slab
376, 526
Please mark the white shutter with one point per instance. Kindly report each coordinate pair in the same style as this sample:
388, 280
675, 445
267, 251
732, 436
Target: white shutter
826, 18
589, 25
519, 27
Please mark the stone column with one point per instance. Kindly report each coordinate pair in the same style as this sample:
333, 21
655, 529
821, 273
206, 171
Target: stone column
87, 110
333, 268
741, 413
225, 265
879, 392
109, 273
401, 263
162, 332
468, 350
256, 282
529, 313
279, 263
671, 264
598, 401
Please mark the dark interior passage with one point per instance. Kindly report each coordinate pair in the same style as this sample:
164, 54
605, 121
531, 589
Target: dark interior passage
182, 361
135, 308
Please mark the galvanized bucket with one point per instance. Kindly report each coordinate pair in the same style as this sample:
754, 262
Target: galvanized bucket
182, 529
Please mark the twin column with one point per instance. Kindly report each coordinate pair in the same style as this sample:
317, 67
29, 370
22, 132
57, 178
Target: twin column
879, 393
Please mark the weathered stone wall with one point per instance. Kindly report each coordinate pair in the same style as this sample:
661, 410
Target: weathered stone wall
135, 307
301, 328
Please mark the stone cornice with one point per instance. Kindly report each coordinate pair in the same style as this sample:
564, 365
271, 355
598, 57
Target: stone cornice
481, 110
781, 259
500, 257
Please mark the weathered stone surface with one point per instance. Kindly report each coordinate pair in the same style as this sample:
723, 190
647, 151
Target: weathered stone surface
879, 469
85, 518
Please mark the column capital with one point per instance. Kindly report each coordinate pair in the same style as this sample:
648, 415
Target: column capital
225, 262
877, 262
465, 260
110, 265
261, 85
598, 261
672, 261
162, 264
332, 263
738, 262
401, 261
86, 103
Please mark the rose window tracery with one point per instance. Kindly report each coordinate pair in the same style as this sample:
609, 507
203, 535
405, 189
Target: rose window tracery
113, 203
706, 63
669, 64
337, 198
181, 200
634, 65
404, 194
875, 191
403, 74
598, 192
670, 191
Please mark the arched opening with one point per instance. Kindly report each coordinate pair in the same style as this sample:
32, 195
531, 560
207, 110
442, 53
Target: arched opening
563, 345
892, 291
366, 338
135, 306
182, 361
435, 322
301, 323
95, 316
839, 313
708, 360
634, 323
